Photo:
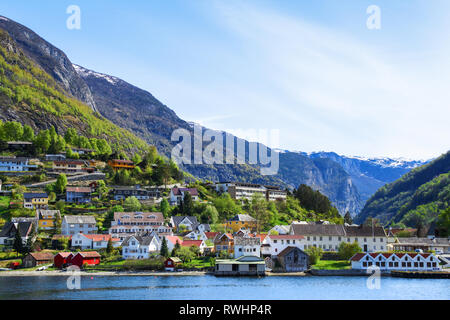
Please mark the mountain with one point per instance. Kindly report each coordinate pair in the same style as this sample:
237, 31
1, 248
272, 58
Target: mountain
31, 96
347, 182
51, 59
370, 174
419, 195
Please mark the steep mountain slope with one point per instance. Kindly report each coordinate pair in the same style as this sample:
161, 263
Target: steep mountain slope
51, 59
370, 174
419, 194
31, 96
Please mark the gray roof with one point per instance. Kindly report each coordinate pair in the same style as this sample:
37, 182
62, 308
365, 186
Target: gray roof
177, 220
424, 241
9, 229
52, 213
242, 217
247, 241
35, 195
143, 240
337, 230
80, 219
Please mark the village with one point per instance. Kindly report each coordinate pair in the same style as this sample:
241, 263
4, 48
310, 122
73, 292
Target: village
73, 208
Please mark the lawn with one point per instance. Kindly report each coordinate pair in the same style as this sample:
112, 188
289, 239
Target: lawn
199, 263
4, 201
331, 265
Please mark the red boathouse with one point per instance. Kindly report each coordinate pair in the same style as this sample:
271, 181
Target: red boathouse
90, 258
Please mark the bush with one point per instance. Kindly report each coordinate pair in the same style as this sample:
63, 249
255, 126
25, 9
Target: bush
314, 253
348, 250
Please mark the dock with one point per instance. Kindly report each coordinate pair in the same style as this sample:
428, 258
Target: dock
421, 274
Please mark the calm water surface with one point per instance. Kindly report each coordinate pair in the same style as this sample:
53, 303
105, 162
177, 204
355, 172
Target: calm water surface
210, 287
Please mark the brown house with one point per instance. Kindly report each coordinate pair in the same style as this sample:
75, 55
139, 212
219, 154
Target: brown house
224, 242
37, 258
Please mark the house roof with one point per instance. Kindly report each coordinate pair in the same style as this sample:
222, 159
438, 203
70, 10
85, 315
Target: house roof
178, 219
42, 256
289, 249
247, 241
179, 191
337, 230
66, 162
358, 256
123, 161
79, 189
219, 236
174, 239
143, 240
139, 216
98, 237
9, 229
64, 254
422, 241
48, 213
242, 217
31, 195
80, 219
211, 235
286, 237
175, 259
89, 254
189, 243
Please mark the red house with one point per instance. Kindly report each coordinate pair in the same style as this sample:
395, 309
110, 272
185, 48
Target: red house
61, 259
171, 263
90, 258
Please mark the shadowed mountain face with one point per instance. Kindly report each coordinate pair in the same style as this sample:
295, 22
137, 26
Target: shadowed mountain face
347, 182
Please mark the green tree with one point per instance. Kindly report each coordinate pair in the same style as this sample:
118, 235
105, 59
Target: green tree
132, 204
258, 208
43, 141
18, 243
164, 207
185, 254
71, 136
61, 183
12, 131
60, 205
28, 133
187, 205
348, 218
109, 246
444, 222
164, 249
315, 254
348, 250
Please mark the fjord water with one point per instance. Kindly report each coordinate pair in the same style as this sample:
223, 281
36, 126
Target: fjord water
210, 287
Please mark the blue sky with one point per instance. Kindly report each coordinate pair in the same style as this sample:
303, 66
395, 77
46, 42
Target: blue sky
311, 69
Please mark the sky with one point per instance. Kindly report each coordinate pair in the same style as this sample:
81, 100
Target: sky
311, 69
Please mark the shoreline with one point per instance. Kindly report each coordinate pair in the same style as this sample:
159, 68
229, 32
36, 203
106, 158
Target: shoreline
98, 273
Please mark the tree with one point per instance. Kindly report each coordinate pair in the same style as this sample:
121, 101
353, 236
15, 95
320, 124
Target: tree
444, 222
348, 250
348, 218
175, 249
60, 205
61, 183
109, 246
315, 254
28, 133
187, 205
132, 204
12, 131
18, 243
43, 141
185, 254
71, 136
209, 215
259, 211
164, 207
164, 249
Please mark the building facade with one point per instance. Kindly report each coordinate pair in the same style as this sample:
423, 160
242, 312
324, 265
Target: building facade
396, 261
72, 225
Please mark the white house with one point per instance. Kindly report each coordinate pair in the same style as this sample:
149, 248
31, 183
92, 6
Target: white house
72, 225
247, 246
177, 195
329, 236
280, 229
200, 244
273, 244
196, 235
93, 241
396, 261
140, 247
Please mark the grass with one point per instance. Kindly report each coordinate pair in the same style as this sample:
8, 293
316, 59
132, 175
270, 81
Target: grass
331, 265
199, 263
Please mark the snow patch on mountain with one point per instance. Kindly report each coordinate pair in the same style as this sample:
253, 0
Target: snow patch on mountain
83, 72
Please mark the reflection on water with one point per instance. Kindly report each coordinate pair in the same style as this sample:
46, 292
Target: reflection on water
210, 287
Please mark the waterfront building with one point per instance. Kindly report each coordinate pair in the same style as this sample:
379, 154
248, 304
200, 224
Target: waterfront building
273, 245
242, 266
293, 259
89, 258
396, 261
439, 245
140, 246
129, 223
247, 246
35, 259
93, 241
329, 236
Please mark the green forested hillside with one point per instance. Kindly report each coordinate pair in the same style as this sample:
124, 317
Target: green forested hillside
30, 96
417, 198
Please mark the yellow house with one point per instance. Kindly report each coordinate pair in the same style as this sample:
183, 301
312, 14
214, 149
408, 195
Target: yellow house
35, 200
46, 218
241, 221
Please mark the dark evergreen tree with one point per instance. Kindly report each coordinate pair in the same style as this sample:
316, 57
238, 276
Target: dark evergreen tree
348, 218
164, 249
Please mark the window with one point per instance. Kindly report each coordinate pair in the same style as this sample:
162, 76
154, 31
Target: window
381, 239
330, 238
288, 241
348, 239
320, 239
